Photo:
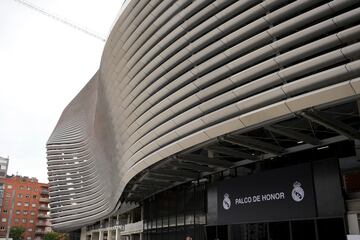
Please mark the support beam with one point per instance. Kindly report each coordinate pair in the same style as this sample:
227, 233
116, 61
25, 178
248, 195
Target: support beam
199, 159
152, 188
133, 199
150, 183
294, 135
142, 192
254, 144
232, 152
175, 178
193, 166
329, 122
173, 172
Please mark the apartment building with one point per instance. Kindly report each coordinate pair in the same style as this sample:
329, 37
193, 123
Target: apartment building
25, 204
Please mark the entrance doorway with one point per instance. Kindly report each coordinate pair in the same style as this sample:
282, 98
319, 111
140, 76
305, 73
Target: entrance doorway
314, 229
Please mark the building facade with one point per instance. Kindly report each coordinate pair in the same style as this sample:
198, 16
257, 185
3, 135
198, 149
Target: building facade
4, 163
192, 96
25, 204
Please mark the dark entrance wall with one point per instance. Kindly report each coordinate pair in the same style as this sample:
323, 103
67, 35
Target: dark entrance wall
313, 229
304, 191
322, 219
275, 195
191, 210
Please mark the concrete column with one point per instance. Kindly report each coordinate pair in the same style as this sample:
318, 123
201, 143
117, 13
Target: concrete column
142, 212
353, 224
83, 233
142, 219
117, 234
101, 235
109, 234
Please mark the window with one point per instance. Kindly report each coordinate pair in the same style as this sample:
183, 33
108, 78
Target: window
34, 196
2, 228
28, 238
25, 212
16, 220
8, 195
26, 204
5, 211
21, 187
9, 186
29, 188
20, 195
3, 220
32, 213
17, 212
18, 204
33, 205
27, 196
36, 189
24, 220
31, 220
30, 229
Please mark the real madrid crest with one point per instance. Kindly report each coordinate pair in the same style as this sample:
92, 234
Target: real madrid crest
226, 202
297, 192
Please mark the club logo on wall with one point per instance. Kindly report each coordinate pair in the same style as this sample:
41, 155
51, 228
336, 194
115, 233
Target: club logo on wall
297, 192
226, 202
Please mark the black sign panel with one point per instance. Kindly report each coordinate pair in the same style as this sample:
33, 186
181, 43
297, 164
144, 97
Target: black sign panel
274, 195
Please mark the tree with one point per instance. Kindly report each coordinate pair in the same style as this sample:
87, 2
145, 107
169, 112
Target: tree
16, 233
55, 236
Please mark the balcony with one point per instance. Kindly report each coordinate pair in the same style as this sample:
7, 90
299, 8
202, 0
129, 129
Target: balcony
39, 232
44, 192
44, 200
43, 216
42, 224
44, 208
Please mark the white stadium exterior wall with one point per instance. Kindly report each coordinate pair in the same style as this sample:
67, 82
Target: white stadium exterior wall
175, 74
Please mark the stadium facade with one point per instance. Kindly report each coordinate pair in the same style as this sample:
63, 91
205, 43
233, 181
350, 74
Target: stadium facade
215, 119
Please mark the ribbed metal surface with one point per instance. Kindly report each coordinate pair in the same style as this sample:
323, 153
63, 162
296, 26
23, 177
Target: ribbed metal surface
79, 187
178, 73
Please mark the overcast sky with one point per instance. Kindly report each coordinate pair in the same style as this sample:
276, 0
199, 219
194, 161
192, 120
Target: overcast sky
43, 65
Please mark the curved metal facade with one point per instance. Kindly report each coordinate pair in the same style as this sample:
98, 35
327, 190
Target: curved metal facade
176, 74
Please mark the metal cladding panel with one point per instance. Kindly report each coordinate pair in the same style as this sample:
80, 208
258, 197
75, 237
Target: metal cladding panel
175, 74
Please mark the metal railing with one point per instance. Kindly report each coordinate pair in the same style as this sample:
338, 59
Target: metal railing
45, 192
43, 216
45, 200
